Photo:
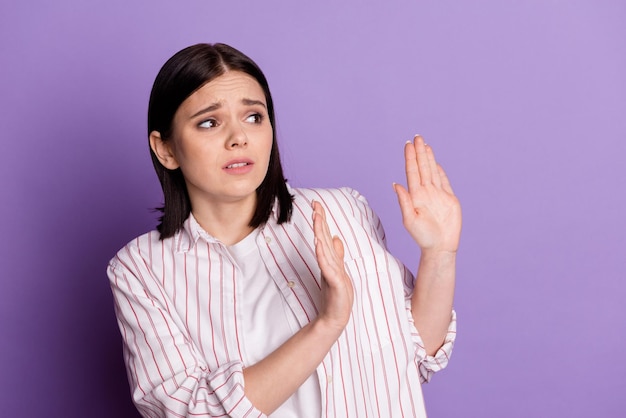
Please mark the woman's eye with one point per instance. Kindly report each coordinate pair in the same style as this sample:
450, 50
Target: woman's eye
255, 118
209, 123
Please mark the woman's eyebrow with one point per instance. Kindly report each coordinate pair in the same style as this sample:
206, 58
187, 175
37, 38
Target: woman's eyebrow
217, 105
252, 102
207, 109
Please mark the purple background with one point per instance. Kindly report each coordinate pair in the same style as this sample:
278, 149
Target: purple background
524, 103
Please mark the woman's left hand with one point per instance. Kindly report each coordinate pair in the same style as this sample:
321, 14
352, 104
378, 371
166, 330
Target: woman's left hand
431, 213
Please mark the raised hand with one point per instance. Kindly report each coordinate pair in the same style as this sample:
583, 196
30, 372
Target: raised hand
337, 290
431, 213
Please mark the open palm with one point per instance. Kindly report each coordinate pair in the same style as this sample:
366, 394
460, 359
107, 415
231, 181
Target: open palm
431, 213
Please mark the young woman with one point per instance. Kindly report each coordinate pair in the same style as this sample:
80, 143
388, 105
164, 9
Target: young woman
254, 298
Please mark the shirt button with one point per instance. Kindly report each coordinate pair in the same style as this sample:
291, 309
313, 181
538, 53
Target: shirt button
291, 284
268, 239
329, 378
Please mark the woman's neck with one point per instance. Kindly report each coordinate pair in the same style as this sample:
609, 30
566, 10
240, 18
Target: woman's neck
226, 221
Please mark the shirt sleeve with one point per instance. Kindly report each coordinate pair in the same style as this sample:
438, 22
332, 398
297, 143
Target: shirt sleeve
428, 365
167, 372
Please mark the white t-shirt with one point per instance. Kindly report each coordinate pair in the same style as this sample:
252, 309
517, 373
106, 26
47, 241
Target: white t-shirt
268, 322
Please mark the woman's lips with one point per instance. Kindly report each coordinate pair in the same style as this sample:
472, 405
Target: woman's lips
238, 166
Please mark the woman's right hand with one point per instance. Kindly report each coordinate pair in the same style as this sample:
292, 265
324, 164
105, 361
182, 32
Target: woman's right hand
337, 290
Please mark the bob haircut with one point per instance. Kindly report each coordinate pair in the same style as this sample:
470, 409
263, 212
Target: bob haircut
183, 74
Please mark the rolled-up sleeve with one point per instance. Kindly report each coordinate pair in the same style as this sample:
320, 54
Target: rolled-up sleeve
168, 374
429, 365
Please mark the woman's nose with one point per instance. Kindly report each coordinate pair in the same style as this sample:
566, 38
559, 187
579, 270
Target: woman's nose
238, 137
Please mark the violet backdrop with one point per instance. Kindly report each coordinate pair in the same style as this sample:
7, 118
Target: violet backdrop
524, 103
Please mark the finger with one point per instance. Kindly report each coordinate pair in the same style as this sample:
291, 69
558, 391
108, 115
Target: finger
338, 246
422, 161
323, 226
410, 164
432, 163
329, 267
404, 200
323, 240
342, 277
445, 182
318, 229
321, 252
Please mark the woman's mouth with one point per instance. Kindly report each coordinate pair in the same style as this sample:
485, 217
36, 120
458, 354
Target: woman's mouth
237, 165
241, 166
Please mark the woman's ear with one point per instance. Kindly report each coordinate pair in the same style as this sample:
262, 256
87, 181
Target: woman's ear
163, 151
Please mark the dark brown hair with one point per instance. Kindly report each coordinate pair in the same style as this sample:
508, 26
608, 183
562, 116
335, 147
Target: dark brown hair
183, 74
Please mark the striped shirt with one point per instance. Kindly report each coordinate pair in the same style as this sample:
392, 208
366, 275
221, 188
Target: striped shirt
178, 307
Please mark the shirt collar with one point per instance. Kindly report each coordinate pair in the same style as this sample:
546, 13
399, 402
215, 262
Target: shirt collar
188, 235
191, 231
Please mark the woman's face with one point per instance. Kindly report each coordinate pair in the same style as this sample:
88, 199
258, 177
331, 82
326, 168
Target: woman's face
222, 139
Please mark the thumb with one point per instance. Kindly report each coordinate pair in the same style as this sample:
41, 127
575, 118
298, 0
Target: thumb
338, 246
404, 200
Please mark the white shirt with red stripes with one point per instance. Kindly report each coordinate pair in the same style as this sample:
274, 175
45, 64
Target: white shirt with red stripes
180, 301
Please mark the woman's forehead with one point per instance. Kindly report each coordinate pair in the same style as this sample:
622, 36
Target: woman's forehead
232, 85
